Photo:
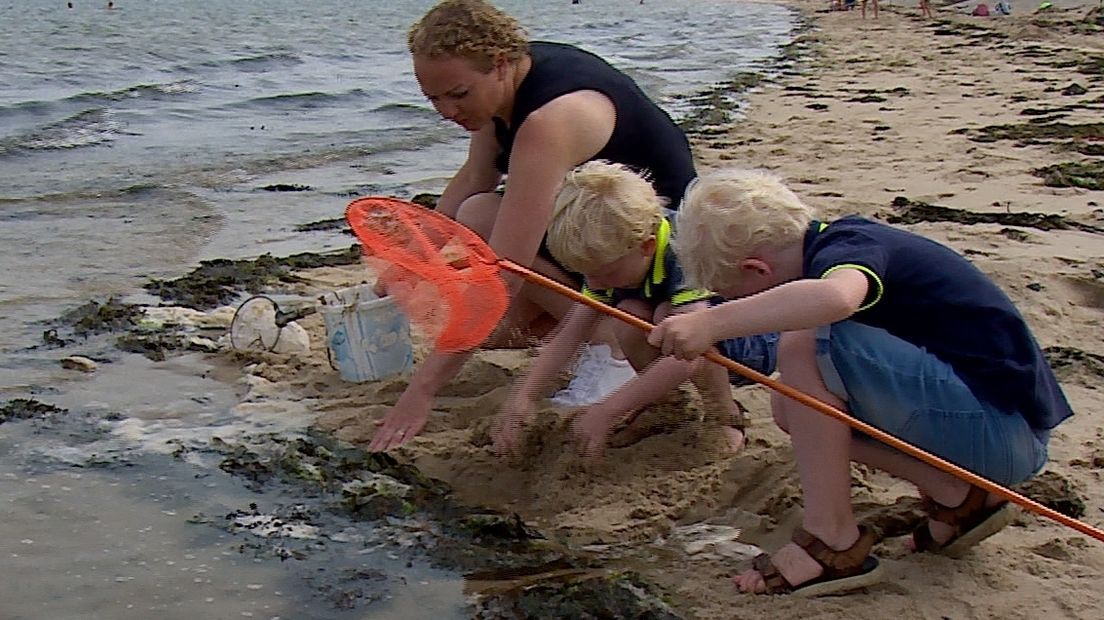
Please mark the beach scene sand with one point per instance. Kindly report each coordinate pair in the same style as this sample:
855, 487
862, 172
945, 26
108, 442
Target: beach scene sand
984, 134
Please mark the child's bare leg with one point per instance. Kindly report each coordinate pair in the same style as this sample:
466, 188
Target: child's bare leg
822, 448
711, 380
945, 489
632, 340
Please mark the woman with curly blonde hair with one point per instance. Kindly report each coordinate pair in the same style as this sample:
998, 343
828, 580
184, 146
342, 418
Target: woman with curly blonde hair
535, 110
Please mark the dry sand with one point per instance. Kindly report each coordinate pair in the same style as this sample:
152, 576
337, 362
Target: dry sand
871, 113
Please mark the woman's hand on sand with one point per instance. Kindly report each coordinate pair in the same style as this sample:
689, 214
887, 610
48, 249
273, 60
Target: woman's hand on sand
403, 421
506, 431
685, 336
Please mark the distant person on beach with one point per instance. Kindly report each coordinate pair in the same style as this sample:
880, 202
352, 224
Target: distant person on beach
925, 9
875, 9
900, 331
609, 224
534, 110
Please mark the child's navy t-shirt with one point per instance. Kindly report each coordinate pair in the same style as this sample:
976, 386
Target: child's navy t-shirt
926, 294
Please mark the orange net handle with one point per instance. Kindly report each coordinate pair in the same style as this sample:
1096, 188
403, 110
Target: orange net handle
821, 406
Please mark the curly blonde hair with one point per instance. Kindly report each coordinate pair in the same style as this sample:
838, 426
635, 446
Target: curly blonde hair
727, 216
471, 29
602, 212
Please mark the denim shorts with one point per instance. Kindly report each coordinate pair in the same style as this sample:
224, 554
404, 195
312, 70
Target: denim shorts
758, 352
914, 396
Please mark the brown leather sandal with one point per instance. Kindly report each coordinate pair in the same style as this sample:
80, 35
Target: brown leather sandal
971, 521
844, 571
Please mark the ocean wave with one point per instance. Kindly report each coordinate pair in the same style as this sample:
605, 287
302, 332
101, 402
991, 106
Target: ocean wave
87, 128
407, 111
138, 91
300, 101
254, 64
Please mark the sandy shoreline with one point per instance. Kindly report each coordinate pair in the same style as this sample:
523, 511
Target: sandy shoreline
879, 110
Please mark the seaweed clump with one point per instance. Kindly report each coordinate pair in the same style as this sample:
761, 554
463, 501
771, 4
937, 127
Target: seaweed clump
586, 595
513, 570
218, 282
913, 212
1087, 175
1084, 138
26, 409
96, 318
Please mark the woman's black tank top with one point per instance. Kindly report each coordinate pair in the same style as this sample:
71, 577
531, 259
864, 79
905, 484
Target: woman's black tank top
644, 136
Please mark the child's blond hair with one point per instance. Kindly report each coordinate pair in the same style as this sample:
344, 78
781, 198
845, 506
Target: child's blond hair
727, 216
602, 212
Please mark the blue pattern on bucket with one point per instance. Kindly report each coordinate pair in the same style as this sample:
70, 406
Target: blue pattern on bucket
369, 337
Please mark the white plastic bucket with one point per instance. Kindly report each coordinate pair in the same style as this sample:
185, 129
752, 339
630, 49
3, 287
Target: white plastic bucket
368, 336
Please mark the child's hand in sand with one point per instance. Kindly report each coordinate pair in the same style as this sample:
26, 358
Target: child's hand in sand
685, 336
508, 425
591, 428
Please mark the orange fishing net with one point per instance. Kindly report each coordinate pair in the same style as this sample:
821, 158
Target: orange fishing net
442, 274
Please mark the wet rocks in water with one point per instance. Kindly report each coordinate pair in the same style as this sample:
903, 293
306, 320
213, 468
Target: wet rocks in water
95, 317
336, 223
25, 409
714, 107
286, 187
523, 574
427, 200
154, 346
575, 594
79, 362
497, 527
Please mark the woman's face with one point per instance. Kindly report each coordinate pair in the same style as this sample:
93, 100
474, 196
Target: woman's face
460, 91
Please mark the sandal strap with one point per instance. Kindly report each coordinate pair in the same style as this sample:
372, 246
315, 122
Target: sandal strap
837, 563
772, 578
956, 516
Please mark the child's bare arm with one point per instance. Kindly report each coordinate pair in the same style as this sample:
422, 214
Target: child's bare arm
800, 304
577, 327
593, 424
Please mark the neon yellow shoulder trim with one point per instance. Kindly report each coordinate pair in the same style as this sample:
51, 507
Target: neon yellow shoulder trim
690, 296
604, 296
870, 275
659, 271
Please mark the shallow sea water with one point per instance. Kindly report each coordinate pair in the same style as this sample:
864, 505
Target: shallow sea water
136, 142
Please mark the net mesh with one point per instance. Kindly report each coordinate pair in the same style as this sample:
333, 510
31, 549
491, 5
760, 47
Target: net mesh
442, 274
